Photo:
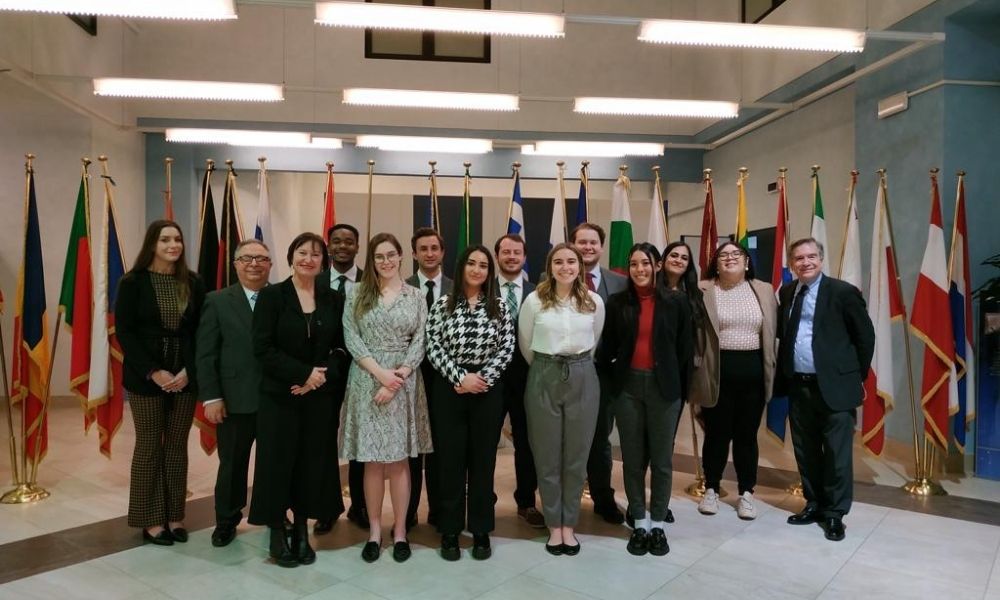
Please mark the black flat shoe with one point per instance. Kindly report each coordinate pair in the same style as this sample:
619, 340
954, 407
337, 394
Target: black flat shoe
180, 535
223, 536
658, 545
554, 550
571, 550
371, 551
638, 544
401, 551
481, 549
161, 539
449, 547
809, 515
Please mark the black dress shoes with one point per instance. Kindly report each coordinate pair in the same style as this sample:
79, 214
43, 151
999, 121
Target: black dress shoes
161, 539
325, 525
670, 516
610, 513
179, 534
481, 549
371, 552
223, 535
638, 544
401, 551
358, 516
449, 547
834, 529
809, 515
280, 550
658, 545
304, 553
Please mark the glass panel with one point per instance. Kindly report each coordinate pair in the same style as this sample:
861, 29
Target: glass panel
397, 42
457, 44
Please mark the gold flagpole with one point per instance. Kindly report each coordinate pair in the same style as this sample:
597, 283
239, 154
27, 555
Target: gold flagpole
371, 176
168, 194
585, 165
435, 215
659, 198
847, 223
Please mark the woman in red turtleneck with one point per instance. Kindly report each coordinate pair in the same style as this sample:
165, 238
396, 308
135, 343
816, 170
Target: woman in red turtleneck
646, 350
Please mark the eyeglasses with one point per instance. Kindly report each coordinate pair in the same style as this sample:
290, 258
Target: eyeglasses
382, 258
728, 255
260, 260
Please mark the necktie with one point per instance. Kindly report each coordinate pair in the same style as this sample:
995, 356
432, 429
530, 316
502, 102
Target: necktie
253, 301
341, 281
792, 329
511, 299
430, 293
590, 282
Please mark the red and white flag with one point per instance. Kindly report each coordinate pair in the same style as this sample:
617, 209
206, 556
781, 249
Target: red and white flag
329, 203
961, 319
931, 322
850, 258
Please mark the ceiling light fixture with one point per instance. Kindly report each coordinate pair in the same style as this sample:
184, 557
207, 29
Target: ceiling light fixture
240, 137
652, 107
599, 149
746, 35
423, 99
428, 18
195, 10
425, 144
122, 87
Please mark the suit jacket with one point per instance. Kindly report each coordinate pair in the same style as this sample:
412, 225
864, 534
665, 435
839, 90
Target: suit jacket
227, 368
843, 341
515, 376
673, 341
282, 344
323, 279
611, 283
446, 284
425, 365
705, 382
140, 332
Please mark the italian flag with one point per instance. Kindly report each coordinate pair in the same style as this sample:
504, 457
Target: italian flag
818, 231
76, 296
621, 226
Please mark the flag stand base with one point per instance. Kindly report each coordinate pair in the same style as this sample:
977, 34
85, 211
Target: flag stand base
25, 493
924, 486
697, 489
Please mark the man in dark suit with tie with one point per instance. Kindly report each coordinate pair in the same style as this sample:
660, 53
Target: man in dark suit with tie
342, 247
513, 287
428, 249
589, 240
229, 381
826, 345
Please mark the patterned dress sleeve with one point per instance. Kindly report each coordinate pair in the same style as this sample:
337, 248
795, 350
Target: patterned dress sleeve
352, 334
443, 363
415, 351
504, 352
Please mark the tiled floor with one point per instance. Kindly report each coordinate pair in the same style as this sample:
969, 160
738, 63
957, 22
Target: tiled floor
888, 553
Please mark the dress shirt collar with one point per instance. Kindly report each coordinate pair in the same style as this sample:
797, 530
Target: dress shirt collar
352, 275
424, 279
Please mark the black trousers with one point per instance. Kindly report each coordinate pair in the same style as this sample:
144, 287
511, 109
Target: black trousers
735, 419
355, 470
235, 436
599, 460
425, 464
822, 438
468, 427
524, 461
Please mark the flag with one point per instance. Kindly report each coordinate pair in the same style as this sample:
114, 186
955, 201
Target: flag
106, 397
31, 334
77, 294
208, 237
931, 322
557, 229
230, 233
515, 219
960, 294
850, 257
742, 240
262, 231
709, 230
582, 210
434, 217
329, 205
777, 408
620, 238
885, 304
463, 216
658, 234
818, 229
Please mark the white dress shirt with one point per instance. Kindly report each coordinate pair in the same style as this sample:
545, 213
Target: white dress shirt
349, 283
437, 283
561, 329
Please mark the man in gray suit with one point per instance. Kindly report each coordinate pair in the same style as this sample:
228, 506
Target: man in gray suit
428, 249
589, 240
229, 381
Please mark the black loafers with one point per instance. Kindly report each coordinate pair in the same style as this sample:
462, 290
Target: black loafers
449, 547
223, 536
371, 552
809, 515
161, 539
401, 551
180, 535
834, 529
638, 544
658, 545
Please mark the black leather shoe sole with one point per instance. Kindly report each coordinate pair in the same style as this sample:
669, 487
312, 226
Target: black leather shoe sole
554, 550
804, 518
371, 552
223, 536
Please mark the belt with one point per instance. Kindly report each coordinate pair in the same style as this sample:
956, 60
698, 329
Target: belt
804, 377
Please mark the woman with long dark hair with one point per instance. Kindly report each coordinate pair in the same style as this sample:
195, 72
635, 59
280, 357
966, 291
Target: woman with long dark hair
156, 318
646, 349
470, 341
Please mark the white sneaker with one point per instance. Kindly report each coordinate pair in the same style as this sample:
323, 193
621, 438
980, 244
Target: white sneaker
709, 504
745, 509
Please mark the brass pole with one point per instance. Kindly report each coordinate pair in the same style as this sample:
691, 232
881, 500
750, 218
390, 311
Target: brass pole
659, 198
435, 215
371, 176
467, 193
851, 209
168, 199
584, 170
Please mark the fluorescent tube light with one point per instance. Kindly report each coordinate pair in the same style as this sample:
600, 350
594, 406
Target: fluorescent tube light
745, 35
122, 87
195, 10
425, 144
429, 18
240, 137
424, 99
599, 149
657, 108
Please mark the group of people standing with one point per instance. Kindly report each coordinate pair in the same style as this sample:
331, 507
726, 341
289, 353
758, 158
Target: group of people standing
411, 381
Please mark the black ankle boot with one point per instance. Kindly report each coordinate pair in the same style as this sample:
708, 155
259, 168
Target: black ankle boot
279, 549
300, 542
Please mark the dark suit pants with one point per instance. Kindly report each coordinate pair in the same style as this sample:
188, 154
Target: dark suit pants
822, 438
735, 419
599, 461
425, 464
524, 460
468, 427
235, 434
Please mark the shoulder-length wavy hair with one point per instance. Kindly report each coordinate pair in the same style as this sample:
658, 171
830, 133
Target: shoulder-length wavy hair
147, 252
368, 290
712, 272
488, 289
687, 284
546, 289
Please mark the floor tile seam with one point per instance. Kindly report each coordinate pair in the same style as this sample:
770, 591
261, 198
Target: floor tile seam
562, 587
993, 571
854, 553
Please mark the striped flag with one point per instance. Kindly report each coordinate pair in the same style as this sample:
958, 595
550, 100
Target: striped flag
515, 222
658, 233
262, 231
818, 229
885, 304
557, 228
77, 295
777, 408
850, 258
329, 205
931, 322
620, 238
742, 240
960, 294
709, 229
31, 333
106, 397
582, 210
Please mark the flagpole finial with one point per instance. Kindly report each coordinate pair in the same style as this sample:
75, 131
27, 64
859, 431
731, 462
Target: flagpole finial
432, 163
656, 170
168, 160
86, 162
516, 164
960, 173
881, 171
371, 163
744, 172
329, 166
707, 174
210, 164
783, 170
229, 163
855, 172
102, 158
262, 160
934, 171
585, 163
622, 169
467, 164
815, 169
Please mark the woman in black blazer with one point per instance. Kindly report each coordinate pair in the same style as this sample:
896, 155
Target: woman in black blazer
156, 315
299, 342
646, 350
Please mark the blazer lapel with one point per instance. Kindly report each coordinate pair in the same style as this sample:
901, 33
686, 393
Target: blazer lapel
710, 307
241, 304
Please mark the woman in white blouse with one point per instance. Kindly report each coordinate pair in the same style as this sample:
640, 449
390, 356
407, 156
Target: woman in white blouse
558, 328
735, 354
